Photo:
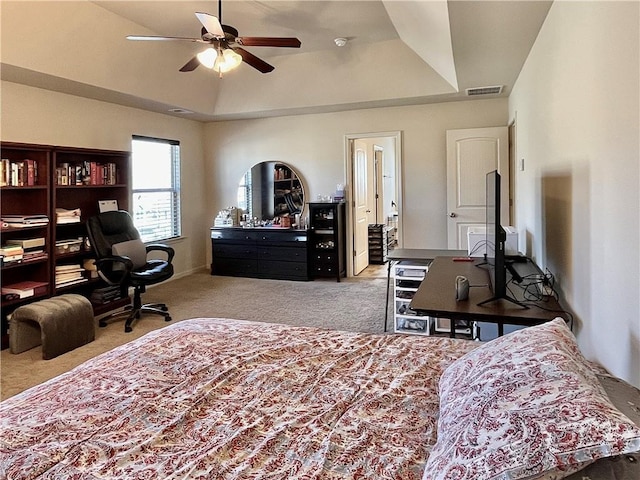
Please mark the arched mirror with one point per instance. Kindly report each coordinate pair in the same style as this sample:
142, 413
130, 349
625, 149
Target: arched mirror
269, 190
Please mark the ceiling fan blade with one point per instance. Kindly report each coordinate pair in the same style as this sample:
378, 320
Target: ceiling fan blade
161, 38
191, 65
211, 24
290, 42
254, 61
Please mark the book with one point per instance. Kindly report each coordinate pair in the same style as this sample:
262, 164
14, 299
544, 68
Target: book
64, 216
10, 259
6, 224
110, 295
4, 169
66, 220
63, 212
9, 250
37, 218
34, 255
69, 268
68, 278
71, 282
26, 243
31, 172
26, 288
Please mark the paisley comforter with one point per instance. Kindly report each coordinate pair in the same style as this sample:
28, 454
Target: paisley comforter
214, 398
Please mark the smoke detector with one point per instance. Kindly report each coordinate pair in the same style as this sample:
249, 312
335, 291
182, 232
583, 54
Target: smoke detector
340, 41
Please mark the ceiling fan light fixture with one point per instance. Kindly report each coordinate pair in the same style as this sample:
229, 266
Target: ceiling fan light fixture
208, 57
227, 60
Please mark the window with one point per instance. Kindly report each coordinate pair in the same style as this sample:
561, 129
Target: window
155, 183
245, 199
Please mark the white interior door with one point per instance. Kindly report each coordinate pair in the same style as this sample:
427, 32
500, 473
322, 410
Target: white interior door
361, 207
471, 154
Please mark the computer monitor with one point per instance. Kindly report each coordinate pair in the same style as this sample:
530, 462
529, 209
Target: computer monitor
496, 238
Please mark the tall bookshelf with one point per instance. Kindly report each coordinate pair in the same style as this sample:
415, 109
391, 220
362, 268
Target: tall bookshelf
286, 183
63, 178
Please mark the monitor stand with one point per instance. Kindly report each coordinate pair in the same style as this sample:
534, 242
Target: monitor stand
507, 298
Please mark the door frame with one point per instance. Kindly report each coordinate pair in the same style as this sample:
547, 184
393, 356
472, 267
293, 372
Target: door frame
348, 174
378, 191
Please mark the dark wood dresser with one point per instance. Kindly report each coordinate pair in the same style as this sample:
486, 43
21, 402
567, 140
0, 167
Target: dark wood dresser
269, 252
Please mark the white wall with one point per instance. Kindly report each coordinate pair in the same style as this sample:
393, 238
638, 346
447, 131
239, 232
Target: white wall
314, 145
33, 115
576, 103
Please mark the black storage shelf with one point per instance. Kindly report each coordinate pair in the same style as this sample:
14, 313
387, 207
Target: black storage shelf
327, 241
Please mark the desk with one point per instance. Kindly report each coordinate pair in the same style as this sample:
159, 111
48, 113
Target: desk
415, 254
436, 296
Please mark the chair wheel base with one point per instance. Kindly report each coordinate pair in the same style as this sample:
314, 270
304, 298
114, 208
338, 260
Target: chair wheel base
167, 319
128, 329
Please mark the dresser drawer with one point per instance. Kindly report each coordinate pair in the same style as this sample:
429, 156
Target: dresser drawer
234, 250
285, 254
283, 270
235, 267
234, 234
282, 237
324, 257
320, 270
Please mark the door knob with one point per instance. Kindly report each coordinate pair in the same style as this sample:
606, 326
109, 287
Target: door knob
453, 215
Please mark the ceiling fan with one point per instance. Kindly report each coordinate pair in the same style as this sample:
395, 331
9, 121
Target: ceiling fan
225, 50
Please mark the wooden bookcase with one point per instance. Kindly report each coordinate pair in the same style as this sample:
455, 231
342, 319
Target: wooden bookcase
285, 182
43, 193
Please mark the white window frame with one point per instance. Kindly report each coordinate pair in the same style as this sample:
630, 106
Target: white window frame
168, 227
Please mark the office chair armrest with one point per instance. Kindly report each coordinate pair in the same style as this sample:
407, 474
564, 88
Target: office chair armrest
118, 274
164, 248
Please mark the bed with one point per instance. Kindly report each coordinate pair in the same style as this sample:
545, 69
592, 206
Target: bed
213, 398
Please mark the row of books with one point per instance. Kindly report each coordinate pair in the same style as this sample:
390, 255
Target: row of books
64, 215
23, 289
18, 173
87, 173
19, 250
11, 254
100, 296
69, 275
22, 221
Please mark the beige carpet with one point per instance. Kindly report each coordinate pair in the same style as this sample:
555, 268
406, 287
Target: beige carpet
355, 304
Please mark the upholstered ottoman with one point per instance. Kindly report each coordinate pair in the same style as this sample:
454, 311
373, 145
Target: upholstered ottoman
59, 323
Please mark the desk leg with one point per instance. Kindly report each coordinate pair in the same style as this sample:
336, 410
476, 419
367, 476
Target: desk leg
500, 329
452, 332
386, 307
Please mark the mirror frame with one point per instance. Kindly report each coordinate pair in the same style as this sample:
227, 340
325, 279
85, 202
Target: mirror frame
269, 190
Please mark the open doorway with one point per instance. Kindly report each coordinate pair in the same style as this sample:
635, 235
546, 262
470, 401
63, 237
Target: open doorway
373, 190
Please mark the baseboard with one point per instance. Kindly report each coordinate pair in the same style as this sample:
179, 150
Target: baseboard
186, 273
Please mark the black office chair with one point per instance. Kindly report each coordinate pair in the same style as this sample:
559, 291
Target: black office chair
121, 259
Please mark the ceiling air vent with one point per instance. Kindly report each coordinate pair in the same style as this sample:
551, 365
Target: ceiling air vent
180, 111
474, 92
